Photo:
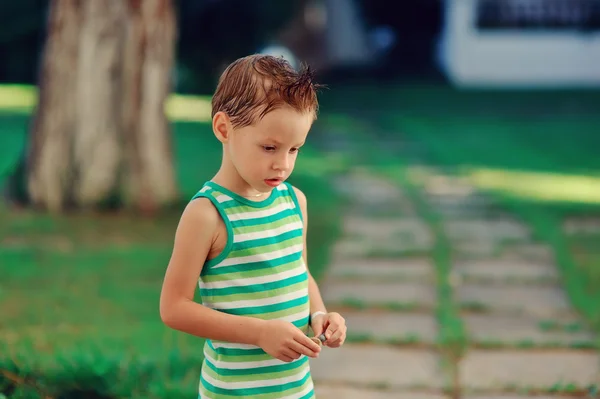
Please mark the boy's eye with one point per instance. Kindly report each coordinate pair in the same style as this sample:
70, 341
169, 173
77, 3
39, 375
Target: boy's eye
294, 150
269, 148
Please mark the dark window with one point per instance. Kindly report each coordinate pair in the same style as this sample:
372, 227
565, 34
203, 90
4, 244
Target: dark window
583, 15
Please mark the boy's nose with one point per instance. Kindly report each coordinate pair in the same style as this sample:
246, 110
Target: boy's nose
282, 163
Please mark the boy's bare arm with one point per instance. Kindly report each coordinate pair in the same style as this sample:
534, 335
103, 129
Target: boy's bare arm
193, 240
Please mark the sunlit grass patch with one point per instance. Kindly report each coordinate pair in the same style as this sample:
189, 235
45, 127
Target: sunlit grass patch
188, 108
18, 98
179, 108
539, 186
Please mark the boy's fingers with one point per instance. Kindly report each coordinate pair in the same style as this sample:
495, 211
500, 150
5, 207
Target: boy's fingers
328, 333
301, 349
319, 325
335, 323
305, 342
336, 335
288, 355
333, 327
317, 328
336, 344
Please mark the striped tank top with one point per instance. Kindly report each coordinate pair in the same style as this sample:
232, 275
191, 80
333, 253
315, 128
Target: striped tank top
260, 273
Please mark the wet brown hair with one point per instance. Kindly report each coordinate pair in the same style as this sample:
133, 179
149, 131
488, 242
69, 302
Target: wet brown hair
255, 85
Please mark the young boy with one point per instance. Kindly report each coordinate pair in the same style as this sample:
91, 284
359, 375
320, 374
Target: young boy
243, 238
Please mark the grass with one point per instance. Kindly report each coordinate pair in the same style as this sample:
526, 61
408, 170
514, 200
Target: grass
406, 340
535, 153
80, 292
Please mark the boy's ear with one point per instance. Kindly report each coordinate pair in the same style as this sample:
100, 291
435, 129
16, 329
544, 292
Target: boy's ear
221, 126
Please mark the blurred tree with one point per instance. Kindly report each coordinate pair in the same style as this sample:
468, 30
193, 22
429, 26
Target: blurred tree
99, 135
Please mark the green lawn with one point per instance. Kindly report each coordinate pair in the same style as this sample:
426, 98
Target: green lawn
79, 294
94, 281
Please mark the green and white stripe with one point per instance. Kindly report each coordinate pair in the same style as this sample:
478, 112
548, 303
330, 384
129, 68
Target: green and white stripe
260, 273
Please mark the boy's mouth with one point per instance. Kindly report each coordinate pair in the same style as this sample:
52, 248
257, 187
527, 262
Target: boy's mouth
273, 182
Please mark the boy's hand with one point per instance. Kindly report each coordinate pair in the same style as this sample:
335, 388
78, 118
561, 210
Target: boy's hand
286, 342
334, 327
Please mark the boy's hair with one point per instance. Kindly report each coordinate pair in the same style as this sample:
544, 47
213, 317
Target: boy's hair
255, 85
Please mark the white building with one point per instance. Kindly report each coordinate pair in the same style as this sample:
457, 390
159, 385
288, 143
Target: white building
517, 43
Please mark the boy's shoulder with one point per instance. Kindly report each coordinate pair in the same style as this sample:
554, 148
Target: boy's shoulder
198, 225
202, 211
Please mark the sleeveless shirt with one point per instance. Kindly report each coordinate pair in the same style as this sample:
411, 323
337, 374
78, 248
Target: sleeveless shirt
260, 273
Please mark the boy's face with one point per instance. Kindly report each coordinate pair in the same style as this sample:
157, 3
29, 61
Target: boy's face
265, 153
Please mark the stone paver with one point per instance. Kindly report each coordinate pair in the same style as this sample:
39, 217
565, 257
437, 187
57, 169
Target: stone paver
340, 392
381, 269
534, 252
379, 248
440, 183
475, 248
464, 203
397, 227
588, 225
387, 326
515, 329
540, 301
505, 270
361, 184
384, 210
500, 229
383, 366
458, 208
367, 191
370, 293
498, 369
364, 235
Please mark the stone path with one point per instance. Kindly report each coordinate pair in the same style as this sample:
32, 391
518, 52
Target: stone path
383, 283
523, 334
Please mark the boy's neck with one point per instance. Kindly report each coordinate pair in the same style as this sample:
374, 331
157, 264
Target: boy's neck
229, 178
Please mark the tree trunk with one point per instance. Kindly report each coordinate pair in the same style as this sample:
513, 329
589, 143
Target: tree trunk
100, 134
147, 75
